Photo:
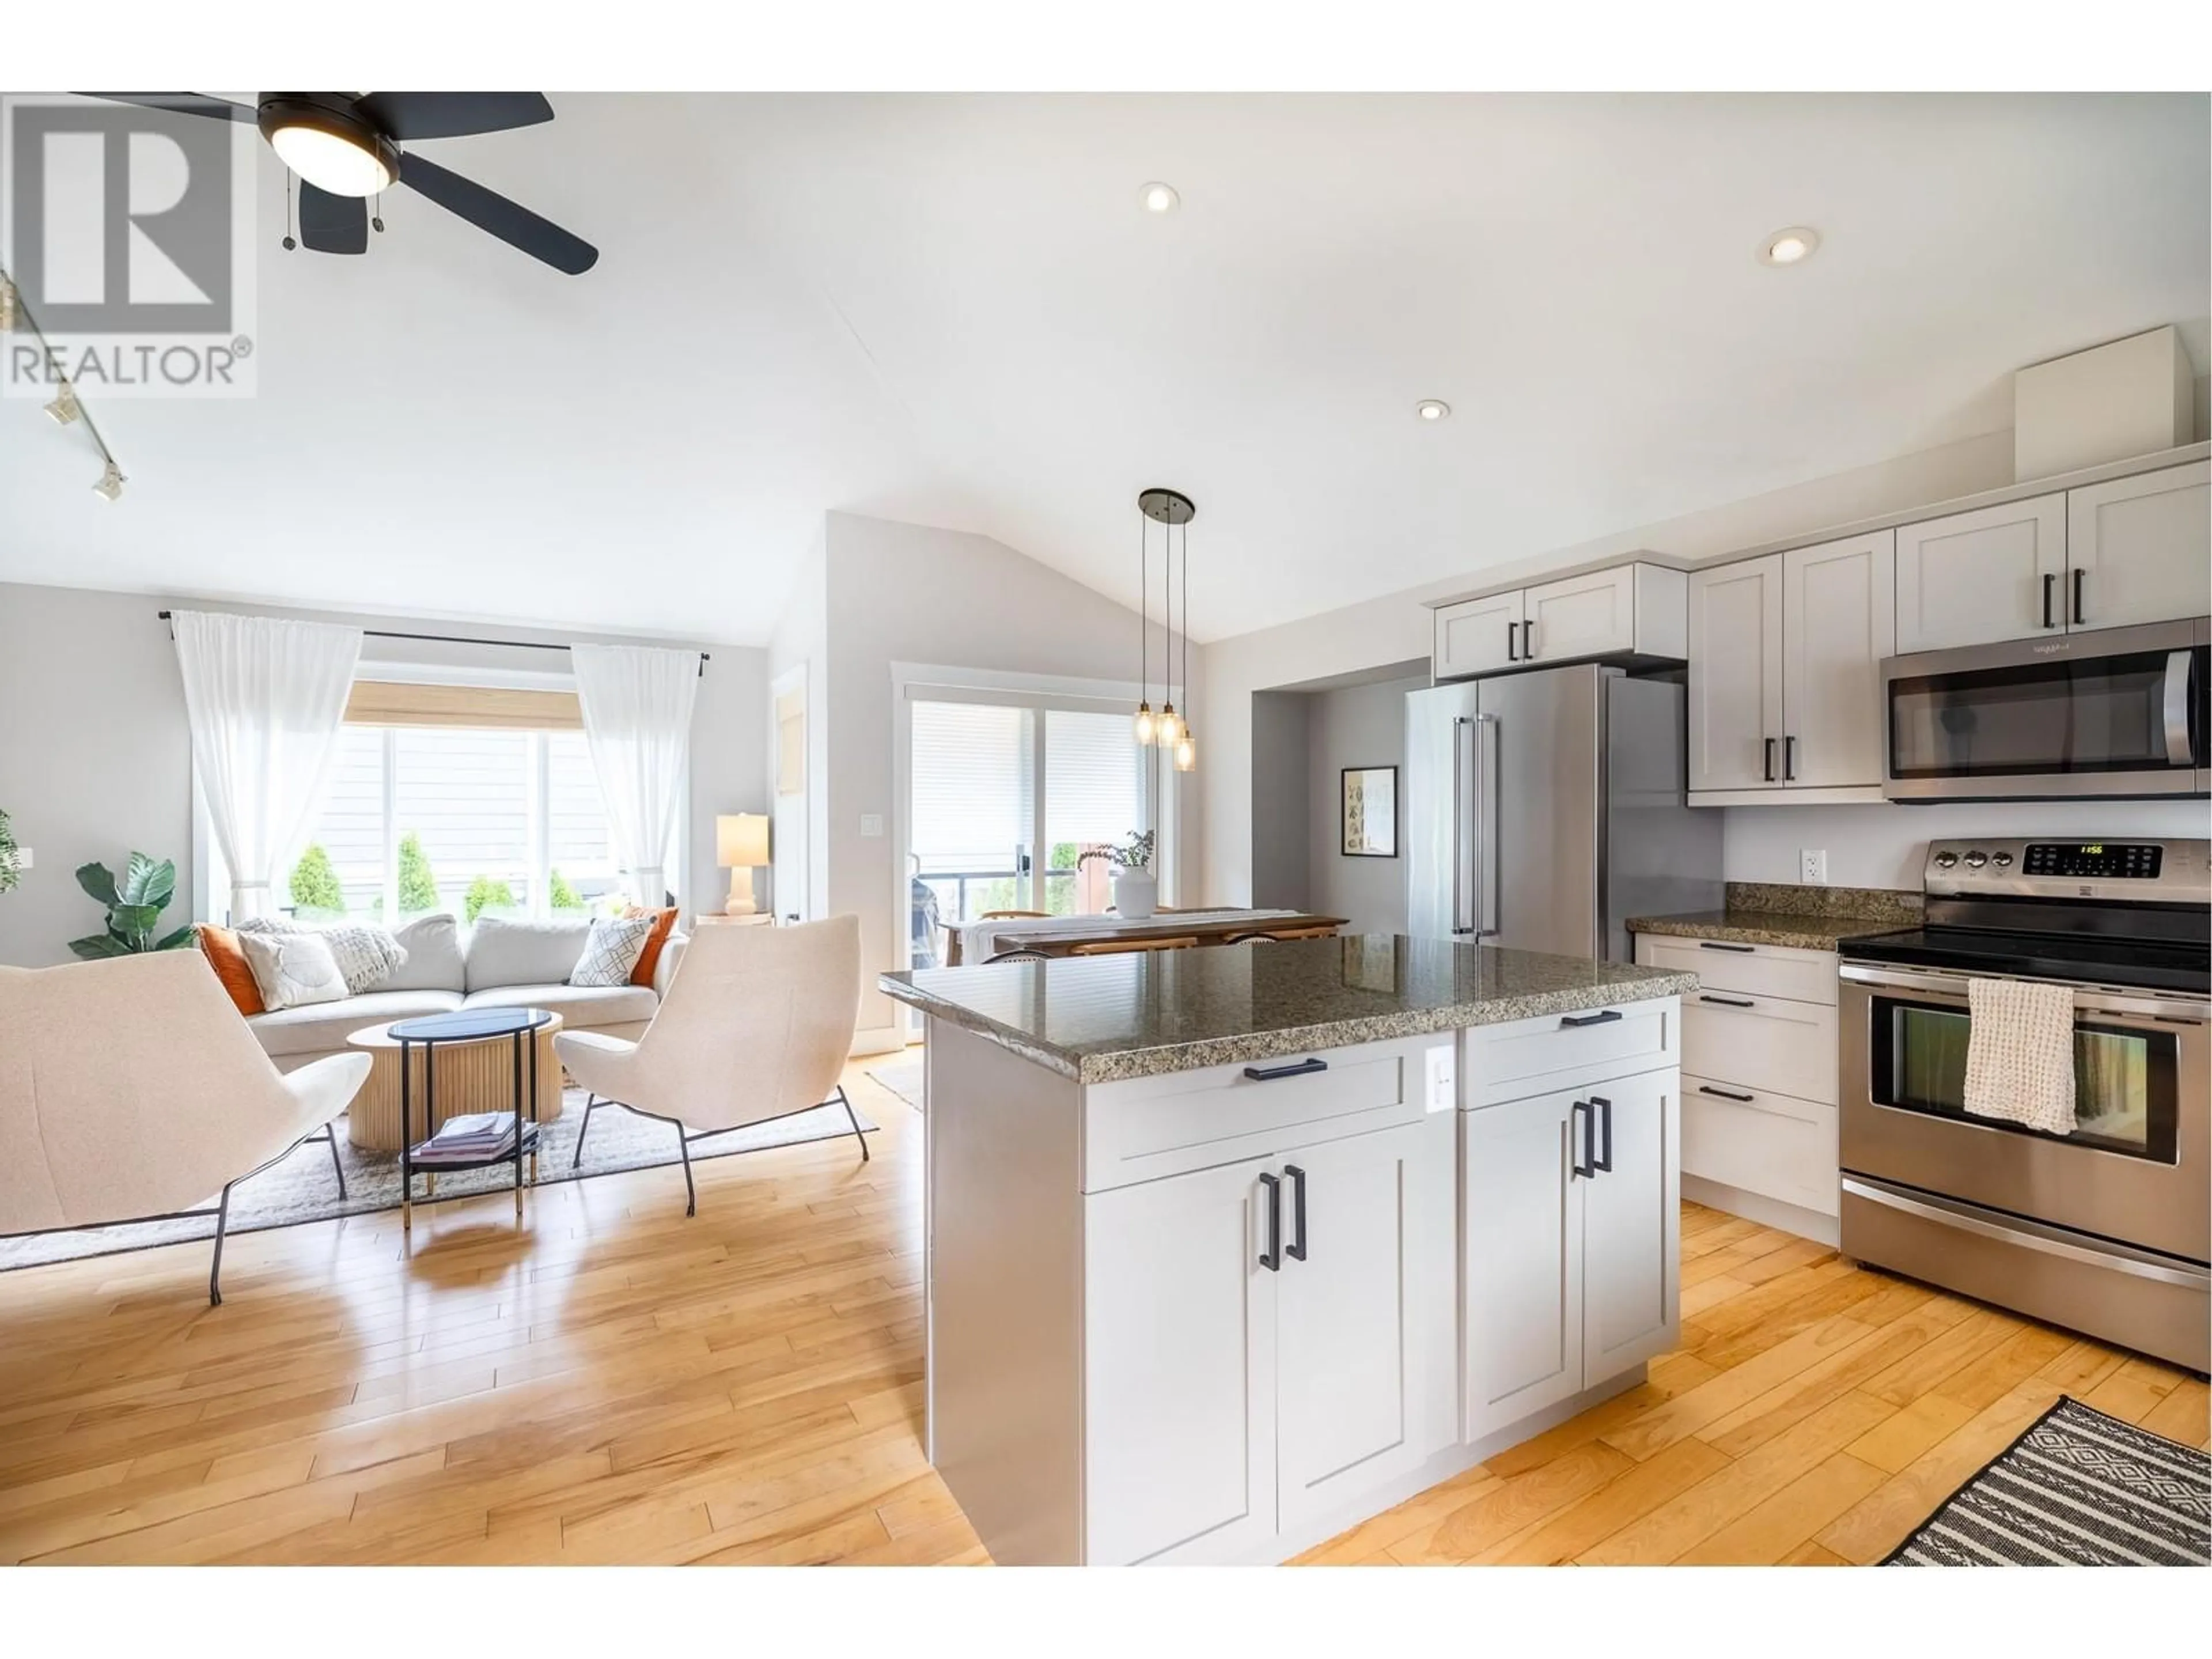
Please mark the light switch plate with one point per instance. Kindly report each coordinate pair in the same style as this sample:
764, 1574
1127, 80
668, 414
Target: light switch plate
872, 824
23, 858
1813, 866
1442, 1079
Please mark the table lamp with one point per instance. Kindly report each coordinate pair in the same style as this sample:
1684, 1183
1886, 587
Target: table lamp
741, 843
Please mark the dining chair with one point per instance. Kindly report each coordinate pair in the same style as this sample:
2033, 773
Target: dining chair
1280, 936
1114, 947
1015, 915
1016, 956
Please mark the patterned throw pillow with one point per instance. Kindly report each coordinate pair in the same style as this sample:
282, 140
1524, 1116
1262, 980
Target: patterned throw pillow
365, 954
292, 969
611, 950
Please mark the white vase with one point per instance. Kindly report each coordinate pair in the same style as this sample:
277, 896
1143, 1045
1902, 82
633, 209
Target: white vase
1136, 894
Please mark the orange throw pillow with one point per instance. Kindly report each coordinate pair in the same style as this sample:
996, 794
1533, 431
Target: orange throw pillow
224, 954
649, 958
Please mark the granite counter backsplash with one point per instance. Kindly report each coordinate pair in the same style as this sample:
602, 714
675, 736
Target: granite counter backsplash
1802, 918
1099, 1019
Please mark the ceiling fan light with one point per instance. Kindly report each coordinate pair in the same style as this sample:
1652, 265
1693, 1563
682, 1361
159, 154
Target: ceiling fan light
110, 486
320, 137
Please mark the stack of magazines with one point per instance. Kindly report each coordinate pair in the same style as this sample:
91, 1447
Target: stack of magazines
472, 1138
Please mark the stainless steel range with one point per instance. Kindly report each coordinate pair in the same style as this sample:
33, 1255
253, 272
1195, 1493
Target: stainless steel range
2107, 1231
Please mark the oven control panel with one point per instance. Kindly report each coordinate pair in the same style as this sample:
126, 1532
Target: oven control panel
2166, 872
2103, 861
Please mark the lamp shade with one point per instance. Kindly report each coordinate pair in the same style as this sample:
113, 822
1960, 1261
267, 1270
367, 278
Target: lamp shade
741, 839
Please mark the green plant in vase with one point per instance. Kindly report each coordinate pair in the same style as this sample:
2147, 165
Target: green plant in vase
134, 908
11, 862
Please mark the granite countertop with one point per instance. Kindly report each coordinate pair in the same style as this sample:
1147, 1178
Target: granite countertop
1099, 1019
1801, 918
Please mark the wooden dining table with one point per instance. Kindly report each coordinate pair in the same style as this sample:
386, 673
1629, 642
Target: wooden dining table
1207, 927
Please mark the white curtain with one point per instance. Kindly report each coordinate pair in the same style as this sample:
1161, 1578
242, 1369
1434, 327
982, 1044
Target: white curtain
637, 718
265, 698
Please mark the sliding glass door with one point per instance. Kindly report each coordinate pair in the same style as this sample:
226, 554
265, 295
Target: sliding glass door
1006, 793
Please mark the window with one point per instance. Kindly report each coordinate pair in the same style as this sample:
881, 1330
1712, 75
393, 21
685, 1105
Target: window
471, 821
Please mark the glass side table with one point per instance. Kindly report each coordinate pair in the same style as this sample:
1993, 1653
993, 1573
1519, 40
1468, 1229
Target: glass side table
464, 1025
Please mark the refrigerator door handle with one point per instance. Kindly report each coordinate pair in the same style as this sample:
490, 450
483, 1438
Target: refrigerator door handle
1489, 900
1462, 855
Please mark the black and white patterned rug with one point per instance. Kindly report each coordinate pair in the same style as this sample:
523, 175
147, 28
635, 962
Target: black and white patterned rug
2078, 1489
303, 1188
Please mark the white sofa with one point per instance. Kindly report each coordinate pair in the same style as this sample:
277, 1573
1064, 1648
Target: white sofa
494, 965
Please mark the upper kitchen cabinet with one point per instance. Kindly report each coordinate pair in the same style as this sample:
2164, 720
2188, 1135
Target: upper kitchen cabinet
1478, 636
1630, 610
2140, 549
1975, 577
1785, 661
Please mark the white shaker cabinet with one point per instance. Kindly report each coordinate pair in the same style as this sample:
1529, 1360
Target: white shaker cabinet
2140, 549
1838, 622
1975, 577
1736, 675
1570, 1234
1478, 636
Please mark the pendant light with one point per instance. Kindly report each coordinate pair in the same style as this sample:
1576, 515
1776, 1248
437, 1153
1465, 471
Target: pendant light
1168, 508
1147, 727
1186, 749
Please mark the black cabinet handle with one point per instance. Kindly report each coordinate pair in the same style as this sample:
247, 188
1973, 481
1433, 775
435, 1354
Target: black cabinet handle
1528, 641
1575, 1022
1578, 1125
2050, 582
1730, 1002
2078, 618
1296, 1068
1767, 746
1297, 1252
1788, 760
1603, 1162
1510, 656
1272, 1257
1725, 1094
1715, 945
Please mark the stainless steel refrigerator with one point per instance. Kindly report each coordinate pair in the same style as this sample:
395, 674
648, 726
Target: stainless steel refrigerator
1544, 809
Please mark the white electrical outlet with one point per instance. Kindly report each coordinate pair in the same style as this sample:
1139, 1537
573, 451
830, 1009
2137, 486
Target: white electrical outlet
1813, 866
872, 824
1442, 1079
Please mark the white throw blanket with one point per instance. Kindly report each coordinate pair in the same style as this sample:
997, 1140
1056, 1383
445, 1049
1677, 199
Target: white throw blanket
2019, 1056
978, 940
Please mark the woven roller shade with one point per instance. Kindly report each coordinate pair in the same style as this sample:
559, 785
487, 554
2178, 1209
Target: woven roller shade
388, 702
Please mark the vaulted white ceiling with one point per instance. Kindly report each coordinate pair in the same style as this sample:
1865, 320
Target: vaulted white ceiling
953, 309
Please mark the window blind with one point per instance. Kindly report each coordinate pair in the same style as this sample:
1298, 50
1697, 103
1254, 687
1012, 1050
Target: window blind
390, 702
975, 786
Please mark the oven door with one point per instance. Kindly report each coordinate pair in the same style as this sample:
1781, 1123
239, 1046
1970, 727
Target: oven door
2135, 1168
2118, 713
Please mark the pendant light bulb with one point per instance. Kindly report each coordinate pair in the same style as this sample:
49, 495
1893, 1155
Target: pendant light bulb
1147, 727
1186, 752
1171, 727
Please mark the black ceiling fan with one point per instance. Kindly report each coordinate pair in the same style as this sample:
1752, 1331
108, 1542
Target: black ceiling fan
345, 149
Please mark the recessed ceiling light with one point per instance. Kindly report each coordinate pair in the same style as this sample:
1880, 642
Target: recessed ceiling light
1158, 198
1431, 408
1790, 246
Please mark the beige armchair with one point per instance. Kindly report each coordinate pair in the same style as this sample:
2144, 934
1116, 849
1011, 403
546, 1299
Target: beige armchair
131, 1090
755, 1026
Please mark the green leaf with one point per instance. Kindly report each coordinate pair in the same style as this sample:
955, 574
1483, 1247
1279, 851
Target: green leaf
148, 883
134, 917
178, 941
97, 880
97, 945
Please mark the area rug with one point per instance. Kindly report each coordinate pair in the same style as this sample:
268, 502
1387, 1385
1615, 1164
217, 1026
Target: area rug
2077, 1489
903, 1077
302, 1187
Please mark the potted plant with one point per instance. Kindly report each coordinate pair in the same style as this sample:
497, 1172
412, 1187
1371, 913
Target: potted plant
11, 862
134, 908
1136, 890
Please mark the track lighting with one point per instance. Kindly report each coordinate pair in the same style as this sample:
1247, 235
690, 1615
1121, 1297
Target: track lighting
9, 306
111, 482
64, 407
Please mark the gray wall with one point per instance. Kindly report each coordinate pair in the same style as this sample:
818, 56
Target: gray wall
96, 759
1356, 727
95, 755
1282, 795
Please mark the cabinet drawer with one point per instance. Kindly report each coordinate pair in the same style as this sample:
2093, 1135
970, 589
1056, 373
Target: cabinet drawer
1761, 1043
1148, 1127
1759, 970
1773, 1144
1539, 1056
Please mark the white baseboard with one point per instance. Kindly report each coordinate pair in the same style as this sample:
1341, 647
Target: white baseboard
1766, 1212
878, 1040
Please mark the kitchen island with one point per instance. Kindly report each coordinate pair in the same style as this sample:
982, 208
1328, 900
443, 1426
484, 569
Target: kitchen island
1229, 1250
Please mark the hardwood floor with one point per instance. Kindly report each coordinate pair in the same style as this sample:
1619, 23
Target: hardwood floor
616, 1383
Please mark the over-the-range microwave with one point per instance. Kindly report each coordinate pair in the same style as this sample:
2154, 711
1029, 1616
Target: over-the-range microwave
2117, 714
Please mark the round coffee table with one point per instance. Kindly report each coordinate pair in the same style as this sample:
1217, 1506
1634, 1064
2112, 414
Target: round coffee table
472, 1077
497, 1028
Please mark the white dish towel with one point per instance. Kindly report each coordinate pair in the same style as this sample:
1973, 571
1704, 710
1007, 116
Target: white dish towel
2020, 1055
